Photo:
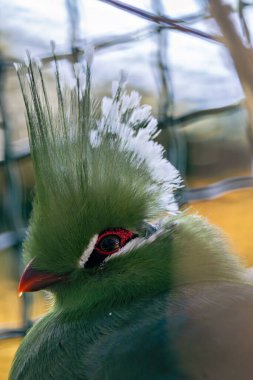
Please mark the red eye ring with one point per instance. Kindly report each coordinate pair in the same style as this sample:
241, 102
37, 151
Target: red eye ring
115, 238
109, 242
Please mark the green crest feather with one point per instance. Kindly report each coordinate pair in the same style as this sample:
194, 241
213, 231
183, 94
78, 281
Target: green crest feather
96, 165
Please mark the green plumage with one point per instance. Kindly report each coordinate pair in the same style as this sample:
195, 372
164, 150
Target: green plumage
130, 317
88, 188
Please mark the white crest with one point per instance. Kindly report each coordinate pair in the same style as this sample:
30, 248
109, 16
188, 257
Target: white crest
123, 115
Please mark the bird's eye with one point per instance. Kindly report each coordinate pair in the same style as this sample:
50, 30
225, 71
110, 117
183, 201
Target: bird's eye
111, 240
109, 243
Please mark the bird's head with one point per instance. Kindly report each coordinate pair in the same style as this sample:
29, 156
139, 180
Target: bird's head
100, 177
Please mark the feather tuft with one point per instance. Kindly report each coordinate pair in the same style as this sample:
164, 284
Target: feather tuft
96, 164
124, 117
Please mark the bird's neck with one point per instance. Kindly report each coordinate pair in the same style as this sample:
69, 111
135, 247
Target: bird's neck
201, 253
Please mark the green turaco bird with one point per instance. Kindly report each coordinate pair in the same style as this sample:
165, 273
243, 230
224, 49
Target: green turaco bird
139, 291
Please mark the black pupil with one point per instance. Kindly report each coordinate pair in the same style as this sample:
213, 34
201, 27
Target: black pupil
109, 243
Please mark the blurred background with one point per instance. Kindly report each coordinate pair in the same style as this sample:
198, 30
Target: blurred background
175, 56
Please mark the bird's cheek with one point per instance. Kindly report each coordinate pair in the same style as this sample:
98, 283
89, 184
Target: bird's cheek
34, 279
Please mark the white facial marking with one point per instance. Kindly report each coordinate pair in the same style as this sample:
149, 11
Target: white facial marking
87, 252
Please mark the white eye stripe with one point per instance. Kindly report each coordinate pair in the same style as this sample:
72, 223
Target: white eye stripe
128, 247
88, 251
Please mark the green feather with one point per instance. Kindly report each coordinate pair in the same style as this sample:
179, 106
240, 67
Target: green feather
87, 177
97, 167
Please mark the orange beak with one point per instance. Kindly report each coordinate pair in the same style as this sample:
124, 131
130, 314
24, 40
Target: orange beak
34, 279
